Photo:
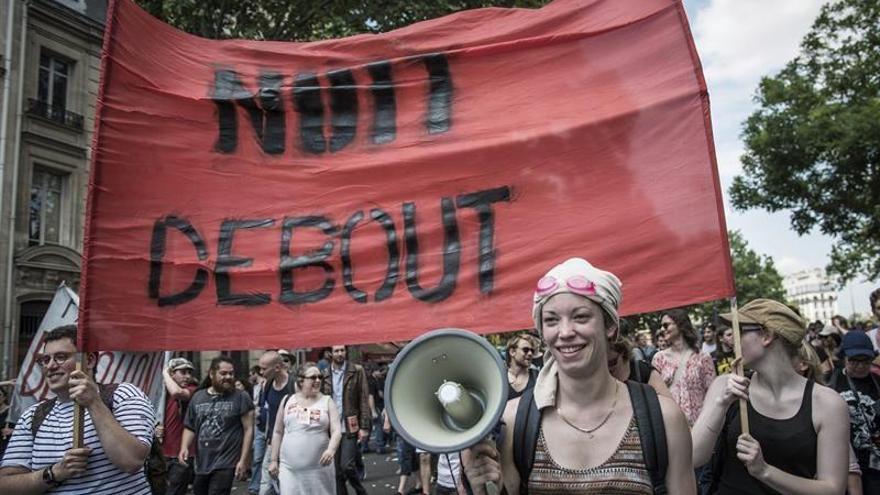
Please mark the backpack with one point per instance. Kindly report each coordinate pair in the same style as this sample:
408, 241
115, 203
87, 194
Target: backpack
652, 433
154, 467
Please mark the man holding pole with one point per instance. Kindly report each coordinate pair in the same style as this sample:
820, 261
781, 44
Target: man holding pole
179, 387
117, 431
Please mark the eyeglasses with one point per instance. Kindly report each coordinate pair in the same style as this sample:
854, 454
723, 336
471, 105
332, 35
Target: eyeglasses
59, 358
859, 360
315, 377
577, 284
527, 350
750, 327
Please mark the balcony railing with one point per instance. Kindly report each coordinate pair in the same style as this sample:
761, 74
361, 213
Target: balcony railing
54, 113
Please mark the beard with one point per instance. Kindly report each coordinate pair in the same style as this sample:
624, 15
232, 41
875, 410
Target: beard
524, 362
223, 385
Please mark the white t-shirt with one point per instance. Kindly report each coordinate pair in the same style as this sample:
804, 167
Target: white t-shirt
708, 348
446, 470
131, 408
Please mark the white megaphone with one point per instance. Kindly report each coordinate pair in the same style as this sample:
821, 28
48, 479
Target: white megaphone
446, 390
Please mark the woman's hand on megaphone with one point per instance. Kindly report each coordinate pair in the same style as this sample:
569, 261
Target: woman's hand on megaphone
481, 465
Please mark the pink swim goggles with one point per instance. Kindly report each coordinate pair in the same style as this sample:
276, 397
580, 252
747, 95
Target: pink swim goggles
577, 284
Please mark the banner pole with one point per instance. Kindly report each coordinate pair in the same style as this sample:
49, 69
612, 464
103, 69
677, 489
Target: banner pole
78, 411
737, 351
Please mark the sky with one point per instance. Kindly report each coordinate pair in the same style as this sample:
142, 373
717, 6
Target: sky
739, 41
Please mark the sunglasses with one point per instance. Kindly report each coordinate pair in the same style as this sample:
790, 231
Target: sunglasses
665, 325
314, 377
750, 327
59, 358
527, 350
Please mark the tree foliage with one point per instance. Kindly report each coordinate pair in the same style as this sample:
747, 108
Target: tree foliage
306, 20
813, 145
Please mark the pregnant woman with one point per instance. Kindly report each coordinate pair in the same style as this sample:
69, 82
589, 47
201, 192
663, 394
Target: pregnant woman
307, 434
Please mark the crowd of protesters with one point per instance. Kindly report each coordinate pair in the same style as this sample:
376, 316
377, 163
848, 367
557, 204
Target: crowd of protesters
812, 394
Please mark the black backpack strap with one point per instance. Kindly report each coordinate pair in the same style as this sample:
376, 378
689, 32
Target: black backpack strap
525, 437
652, 432
40, 412
44, 408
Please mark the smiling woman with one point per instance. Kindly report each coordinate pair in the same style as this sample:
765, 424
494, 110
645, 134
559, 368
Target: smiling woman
590, 433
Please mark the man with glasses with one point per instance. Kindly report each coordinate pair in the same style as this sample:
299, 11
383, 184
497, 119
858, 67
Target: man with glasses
861, 391
521, 350
286, 359
116, 439
278, 383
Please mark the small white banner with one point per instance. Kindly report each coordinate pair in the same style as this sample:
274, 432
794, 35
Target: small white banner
143, 369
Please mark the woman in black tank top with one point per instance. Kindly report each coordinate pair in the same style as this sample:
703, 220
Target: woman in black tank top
798, 431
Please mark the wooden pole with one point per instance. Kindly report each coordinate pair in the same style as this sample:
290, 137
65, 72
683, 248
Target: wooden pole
78, 411
737, 351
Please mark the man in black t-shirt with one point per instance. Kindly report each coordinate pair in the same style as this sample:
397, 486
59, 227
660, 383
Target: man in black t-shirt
221, 420
861, 391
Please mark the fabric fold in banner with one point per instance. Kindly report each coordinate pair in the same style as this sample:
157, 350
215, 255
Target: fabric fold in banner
265, 194
143, 369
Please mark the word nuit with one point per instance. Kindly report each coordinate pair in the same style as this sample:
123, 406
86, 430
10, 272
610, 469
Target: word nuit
480, 201
267, 115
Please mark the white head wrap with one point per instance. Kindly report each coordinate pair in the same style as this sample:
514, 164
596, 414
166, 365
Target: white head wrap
578, 276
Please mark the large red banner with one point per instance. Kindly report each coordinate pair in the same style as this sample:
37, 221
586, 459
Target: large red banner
264, 194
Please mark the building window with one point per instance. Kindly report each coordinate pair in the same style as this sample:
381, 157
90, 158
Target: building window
29, 319
52, 87
47, 190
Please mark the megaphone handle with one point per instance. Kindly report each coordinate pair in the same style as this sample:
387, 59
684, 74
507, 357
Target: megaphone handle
491, 488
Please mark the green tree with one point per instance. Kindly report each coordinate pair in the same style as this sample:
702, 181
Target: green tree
813, 145
306, 20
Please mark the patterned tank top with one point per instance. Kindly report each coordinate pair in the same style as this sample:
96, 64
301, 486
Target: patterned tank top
624, 473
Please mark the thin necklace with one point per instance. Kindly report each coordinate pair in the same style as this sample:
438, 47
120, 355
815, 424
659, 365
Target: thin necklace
589, 431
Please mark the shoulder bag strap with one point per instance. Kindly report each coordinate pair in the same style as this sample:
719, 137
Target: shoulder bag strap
42, 410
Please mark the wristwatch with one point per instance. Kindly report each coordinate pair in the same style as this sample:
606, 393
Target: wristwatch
49, 477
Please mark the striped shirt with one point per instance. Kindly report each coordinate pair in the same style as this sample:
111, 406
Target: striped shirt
131, 408
624, 473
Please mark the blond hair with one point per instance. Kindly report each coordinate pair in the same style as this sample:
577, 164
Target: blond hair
807, 355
